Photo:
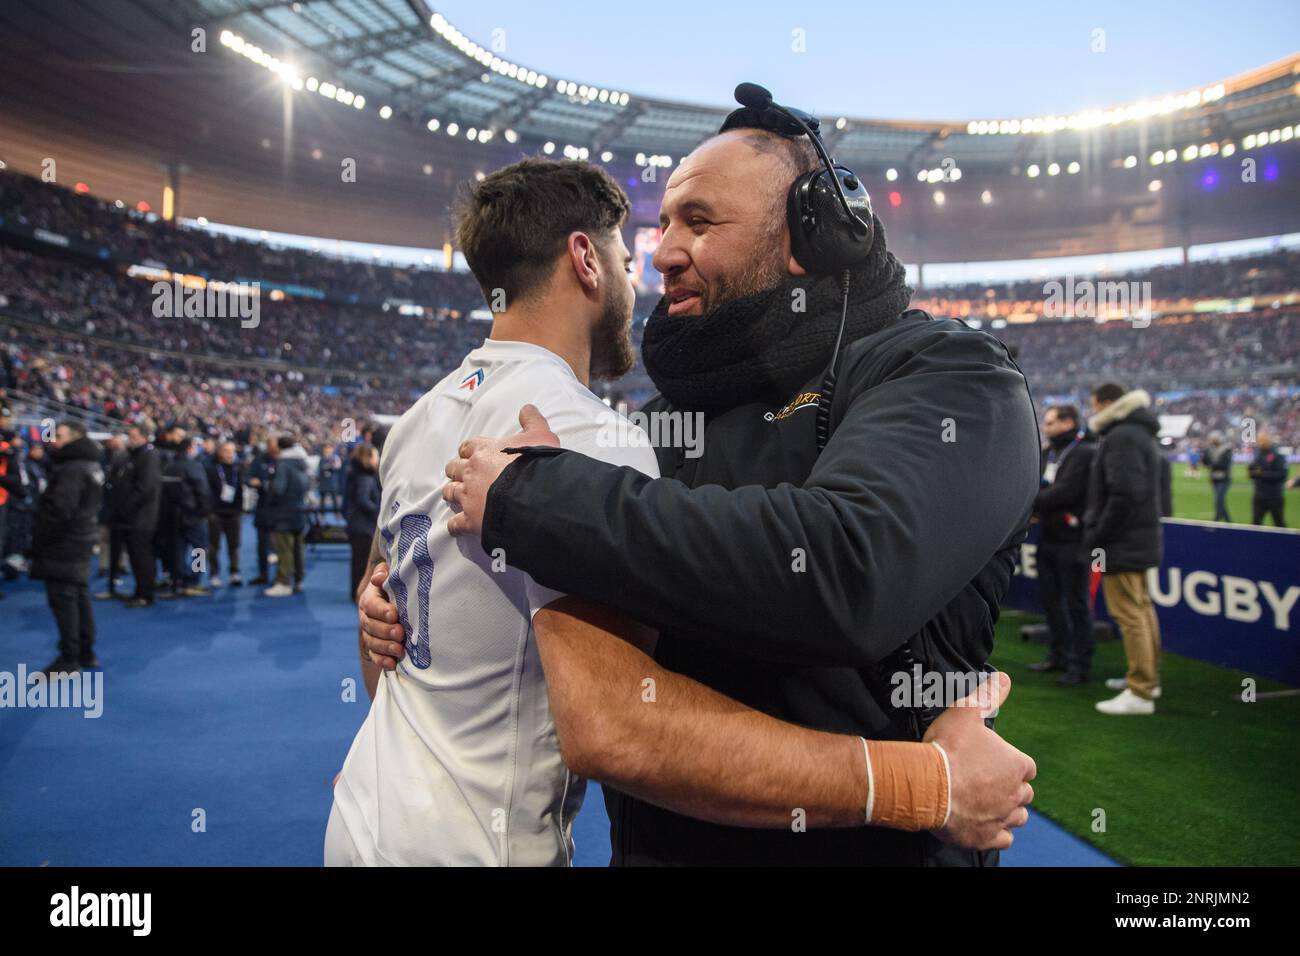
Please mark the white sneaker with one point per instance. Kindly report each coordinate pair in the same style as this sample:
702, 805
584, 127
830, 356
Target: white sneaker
214, 582
1127, 703
278, 590
1121, 683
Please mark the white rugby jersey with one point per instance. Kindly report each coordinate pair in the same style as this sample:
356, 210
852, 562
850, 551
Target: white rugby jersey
457, 762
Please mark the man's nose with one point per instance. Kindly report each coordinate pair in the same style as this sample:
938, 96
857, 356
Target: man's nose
670, 258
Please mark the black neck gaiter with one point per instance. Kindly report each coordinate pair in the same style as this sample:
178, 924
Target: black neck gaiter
763, 346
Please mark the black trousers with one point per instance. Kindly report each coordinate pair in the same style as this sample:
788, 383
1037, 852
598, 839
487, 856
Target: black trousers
1063, 586
70, 602
263, 551
139, 548
228, 525
116, 551
1260, 507
360, 558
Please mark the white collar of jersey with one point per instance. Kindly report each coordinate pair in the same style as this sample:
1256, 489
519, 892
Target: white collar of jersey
497, 350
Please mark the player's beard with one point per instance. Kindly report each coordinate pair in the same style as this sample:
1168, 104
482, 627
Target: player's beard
612, 354
764, 269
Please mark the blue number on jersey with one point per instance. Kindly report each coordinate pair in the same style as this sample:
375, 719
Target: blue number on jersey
412, 533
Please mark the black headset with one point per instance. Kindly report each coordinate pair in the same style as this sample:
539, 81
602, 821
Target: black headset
832, 227
828, 209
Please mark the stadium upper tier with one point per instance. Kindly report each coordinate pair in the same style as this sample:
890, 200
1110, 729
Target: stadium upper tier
359, 119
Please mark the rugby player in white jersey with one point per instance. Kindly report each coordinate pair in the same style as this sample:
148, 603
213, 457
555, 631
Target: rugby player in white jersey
509, 694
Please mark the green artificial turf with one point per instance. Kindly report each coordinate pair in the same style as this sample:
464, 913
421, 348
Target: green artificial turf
1194, 498
1206, 781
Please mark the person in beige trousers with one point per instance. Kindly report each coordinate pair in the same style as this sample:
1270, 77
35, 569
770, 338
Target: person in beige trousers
1122, 535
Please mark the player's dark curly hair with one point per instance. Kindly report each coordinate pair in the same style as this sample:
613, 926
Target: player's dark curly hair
515, 223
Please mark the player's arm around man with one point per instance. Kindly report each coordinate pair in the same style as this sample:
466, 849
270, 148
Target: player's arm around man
625, 721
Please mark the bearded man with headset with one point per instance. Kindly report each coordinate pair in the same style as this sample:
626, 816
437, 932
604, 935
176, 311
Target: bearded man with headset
867, 477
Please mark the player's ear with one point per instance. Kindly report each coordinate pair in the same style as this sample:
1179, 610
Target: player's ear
584, 260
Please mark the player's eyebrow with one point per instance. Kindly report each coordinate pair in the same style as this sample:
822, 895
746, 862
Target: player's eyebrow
686, 208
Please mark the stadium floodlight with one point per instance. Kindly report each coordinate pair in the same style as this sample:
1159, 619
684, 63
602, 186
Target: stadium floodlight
1229, 149
986, 198
1154, 186
548, 148
1157, 157
1189, 153
606, 156
1287, 133
312, 84
511, 136
841, 123
604, 96
1130, 162
385, 112
891, 174
1032, 171
640, 159
972, 128
202, 220
1073, 168
433, 125
938, 197
471, 134
1053, 169
921, 174
1171, 155
480, 176
453, 129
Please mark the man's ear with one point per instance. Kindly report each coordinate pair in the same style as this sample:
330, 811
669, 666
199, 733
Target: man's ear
792, 265
584, 260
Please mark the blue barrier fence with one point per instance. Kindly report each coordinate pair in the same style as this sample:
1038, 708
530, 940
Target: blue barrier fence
1225, 594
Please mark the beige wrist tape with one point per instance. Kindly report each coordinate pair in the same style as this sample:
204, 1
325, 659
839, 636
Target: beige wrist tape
908, 785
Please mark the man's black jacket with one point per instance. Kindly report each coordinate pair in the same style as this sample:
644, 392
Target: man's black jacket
1126, 487
1269, 473
136, 491
778, 577
66, 524
219, 475
1060, 505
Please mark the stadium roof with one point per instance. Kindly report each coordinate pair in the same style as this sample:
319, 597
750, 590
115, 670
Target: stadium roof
361, 119
405, 57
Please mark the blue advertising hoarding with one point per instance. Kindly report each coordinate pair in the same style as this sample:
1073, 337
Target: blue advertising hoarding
1225, 594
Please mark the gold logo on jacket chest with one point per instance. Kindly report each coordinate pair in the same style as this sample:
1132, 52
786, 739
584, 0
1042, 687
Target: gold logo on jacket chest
803, 400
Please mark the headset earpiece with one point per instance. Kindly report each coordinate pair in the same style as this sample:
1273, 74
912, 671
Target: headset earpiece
823, 239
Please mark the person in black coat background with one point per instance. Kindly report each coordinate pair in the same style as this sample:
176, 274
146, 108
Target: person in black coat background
226, 484
112, 543
1063, 573
362, 512
65, 530
136, 497
261, 475
1122, 528
1218, 462
192, 503
1268, 470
